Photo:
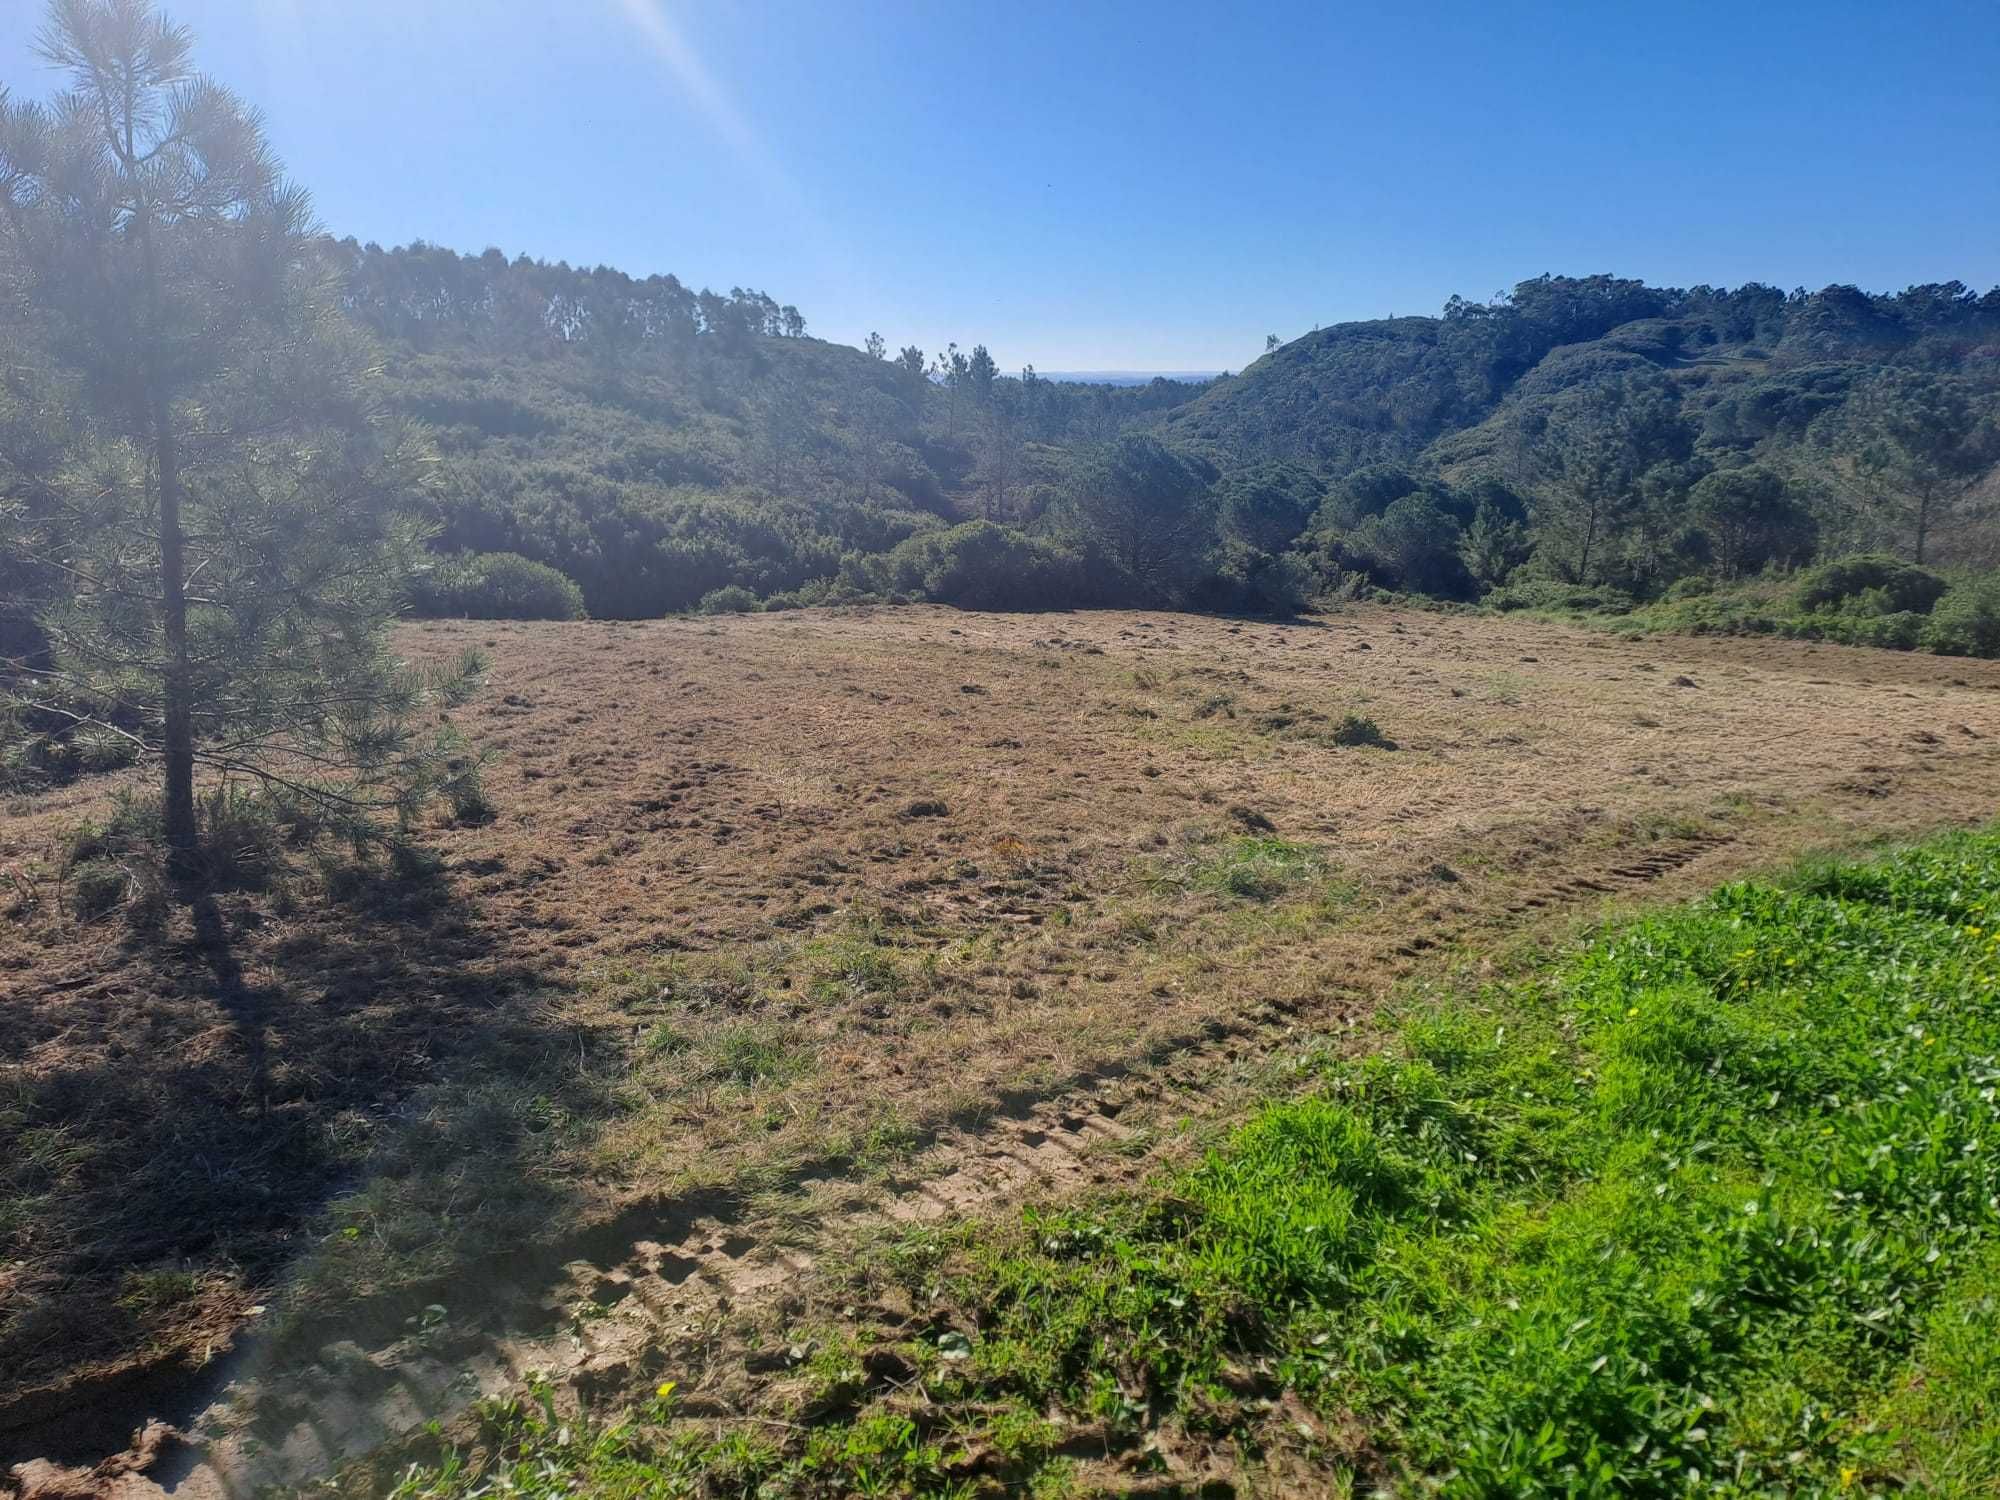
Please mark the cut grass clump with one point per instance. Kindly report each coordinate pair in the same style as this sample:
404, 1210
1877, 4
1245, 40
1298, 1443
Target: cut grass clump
1253, 867
1260, 869
1356, 729
1710, 1206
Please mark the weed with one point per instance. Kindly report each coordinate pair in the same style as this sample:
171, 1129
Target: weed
466, 796
750, 1054
145, 1293
667, 1040
846, 967
97, 886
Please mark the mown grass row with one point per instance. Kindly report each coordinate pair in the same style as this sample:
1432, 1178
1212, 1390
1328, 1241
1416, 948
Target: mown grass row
1712, 1206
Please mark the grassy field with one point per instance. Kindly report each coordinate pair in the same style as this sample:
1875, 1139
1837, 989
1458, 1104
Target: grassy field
1706, 1205
782, 934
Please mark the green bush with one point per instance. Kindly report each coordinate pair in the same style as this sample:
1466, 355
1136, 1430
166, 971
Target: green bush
818, 591
1694, 586
1966, 621
1900, 630
496, 586
38, 751
983, 566
1566, 598
466, 793
1870, 584
731, 600
245, 835
1248, 581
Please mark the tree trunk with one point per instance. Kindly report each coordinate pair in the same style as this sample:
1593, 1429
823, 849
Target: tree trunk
177, 688
176, 680
1589, 542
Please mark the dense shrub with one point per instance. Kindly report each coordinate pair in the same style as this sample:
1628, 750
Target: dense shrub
733, 599
1898, 630
983, 566
1694, 586
1552, 594
1966, 621
1753, 609
1252, 582
496, 586
819, 591
1872, 584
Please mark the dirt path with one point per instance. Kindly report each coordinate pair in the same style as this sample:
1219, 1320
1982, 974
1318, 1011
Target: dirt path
1544, 775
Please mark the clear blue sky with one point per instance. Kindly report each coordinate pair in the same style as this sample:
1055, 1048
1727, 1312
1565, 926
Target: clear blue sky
1135, 186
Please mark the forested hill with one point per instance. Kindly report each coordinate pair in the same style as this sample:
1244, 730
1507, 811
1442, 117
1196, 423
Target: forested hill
661, 446
656, 443
1386, 390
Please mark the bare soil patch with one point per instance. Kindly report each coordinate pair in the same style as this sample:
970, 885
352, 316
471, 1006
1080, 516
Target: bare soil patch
784, 912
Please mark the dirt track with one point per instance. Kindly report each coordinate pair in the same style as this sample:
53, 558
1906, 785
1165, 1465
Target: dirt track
736, 829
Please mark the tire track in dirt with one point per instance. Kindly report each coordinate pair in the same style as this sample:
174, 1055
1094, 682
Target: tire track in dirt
658, 1273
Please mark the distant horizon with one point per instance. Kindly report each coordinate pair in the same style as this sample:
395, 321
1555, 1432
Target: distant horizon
1188, 198
1124, 377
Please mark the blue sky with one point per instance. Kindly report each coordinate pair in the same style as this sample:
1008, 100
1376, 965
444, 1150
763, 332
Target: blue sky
1136, 186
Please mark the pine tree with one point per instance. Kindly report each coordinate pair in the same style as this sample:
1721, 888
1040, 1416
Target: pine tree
200, 472
1917, 445
1588, 460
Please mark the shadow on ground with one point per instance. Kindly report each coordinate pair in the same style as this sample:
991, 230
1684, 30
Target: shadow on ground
187, 1104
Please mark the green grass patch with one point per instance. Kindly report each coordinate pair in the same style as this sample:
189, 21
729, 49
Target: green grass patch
750, 1053
1253, 868
1710, 1206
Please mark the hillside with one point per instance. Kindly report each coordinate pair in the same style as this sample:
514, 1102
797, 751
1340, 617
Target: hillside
662, 447
1389, 389
655, 443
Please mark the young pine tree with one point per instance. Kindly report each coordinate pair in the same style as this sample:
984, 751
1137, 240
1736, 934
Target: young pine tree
196, 472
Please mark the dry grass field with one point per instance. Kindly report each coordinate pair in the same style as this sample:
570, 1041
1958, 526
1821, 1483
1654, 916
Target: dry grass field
786, 922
